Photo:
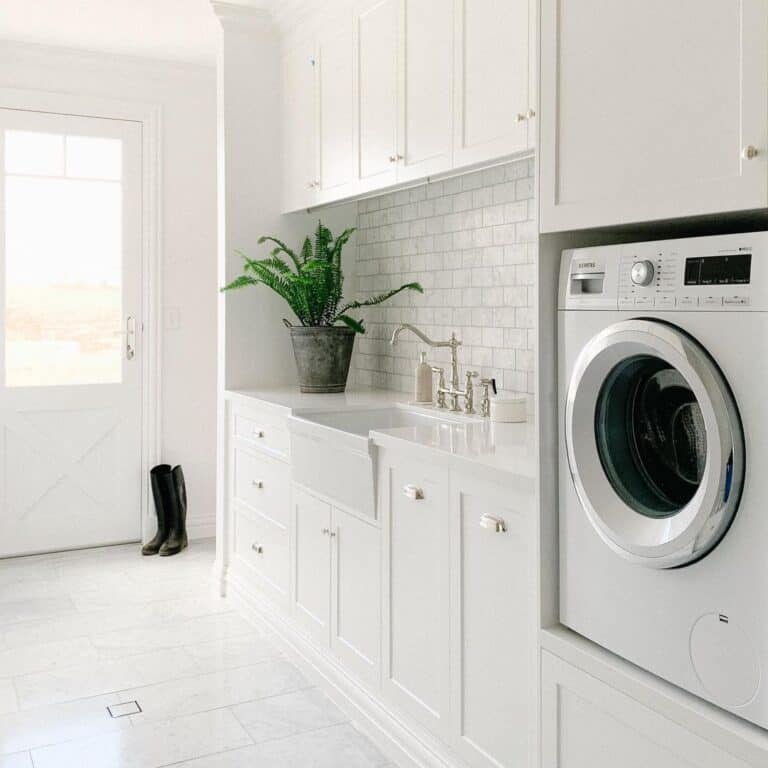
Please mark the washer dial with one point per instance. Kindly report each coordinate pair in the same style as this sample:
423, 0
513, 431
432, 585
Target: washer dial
642, 273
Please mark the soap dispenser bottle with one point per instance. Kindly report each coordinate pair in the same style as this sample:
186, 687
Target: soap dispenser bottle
423, 389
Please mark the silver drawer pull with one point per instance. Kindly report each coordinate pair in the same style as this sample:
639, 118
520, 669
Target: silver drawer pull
257, 483
413, 492
257, 548
493, 523
258, 433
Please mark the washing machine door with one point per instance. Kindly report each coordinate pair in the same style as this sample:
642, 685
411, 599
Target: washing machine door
654, 442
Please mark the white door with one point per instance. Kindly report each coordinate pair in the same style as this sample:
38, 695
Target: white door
299, 122
312, 564
493, 623
416, 585
649, 109
335, 92
376, 91
426, 100
491, 66
355, 594
655, 444
70, 303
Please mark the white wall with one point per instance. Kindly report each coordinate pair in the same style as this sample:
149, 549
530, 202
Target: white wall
187, 96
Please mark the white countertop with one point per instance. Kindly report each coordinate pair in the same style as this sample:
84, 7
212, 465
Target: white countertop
508, 448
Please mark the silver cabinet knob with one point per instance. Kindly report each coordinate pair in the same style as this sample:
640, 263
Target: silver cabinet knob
413, 492
328, 532
257, 548
530, 114
492, 523
642, 273
393, 158
519, 117
257, 484
258, 433
749, 152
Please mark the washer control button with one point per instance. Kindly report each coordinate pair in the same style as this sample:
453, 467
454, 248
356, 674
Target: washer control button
687, 302
643, 301
736, 301
665, 302
642, 273
711, 301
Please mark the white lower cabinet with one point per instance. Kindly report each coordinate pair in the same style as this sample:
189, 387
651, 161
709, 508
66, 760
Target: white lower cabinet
312, 564
336, 576
458, 609
416, 522
492, 624
587, 723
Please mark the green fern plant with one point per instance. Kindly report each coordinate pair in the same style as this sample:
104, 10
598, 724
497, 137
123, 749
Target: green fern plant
311, 281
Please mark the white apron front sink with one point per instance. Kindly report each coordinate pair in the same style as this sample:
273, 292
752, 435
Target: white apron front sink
333, 454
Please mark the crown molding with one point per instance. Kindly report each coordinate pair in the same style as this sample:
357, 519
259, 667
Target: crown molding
250, 12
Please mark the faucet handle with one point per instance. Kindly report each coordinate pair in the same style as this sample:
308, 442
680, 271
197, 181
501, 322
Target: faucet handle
471, 375
485, 405
440, 399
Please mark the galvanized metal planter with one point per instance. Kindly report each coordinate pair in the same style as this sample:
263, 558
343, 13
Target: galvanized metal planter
322, 357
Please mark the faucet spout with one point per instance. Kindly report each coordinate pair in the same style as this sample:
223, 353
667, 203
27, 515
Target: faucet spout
454, 342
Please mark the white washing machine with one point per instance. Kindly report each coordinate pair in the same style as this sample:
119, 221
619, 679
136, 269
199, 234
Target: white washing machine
663, 391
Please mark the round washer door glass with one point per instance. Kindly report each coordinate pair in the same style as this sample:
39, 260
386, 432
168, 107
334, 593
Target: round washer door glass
654, 443
650, 436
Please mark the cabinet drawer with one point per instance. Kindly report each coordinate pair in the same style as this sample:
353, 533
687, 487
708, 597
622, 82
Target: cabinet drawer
263, 546
262, 483
266, 432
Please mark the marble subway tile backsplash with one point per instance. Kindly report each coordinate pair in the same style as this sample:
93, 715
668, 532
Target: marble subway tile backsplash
471, 242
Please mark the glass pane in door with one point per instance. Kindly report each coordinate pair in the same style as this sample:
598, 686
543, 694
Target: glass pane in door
63, 260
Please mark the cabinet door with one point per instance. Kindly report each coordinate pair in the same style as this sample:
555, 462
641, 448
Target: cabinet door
299, 115
588, 724
416, 626
356, 592
334, 66
426, 99
376, 93
493, 623
312, 564
491, 75
648, 107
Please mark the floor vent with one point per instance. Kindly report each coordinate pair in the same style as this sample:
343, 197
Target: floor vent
123, 710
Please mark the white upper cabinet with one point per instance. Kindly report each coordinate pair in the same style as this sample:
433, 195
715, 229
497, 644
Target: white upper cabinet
493, 104
426, 99
299, 128
336, 174
406, 89
652, 110
376, 93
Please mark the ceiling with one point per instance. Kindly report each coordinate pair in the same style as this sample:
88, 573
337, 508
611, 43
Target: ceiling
179, 30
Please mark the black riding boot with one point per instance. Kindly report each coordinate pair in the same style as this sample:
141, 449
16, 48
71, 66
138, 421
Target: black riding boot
164, 495
177, 535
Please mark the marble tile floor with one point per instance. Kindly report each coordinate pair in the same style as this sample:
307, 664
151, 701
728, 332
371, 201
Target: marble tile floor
84, 631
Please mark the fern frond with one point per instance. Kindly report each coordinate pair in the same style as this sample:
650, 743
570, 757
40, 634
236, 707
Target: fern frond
240, 282
378, 299
281, 247
355, 325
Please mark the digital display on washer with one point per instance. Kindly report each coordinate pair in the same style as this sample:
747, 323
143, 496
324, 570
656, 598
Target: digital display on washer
718, 270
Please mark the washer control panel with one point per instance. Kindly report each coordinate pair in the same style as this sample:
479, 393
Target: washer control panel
722, 272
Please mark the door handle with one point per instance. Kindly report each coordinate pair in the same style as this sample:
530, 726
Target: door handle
493, 523
413, 492
130, 337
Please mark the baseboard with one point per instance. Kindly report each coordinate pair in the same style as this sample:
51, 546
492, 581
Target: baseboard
201, 530
403, 742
